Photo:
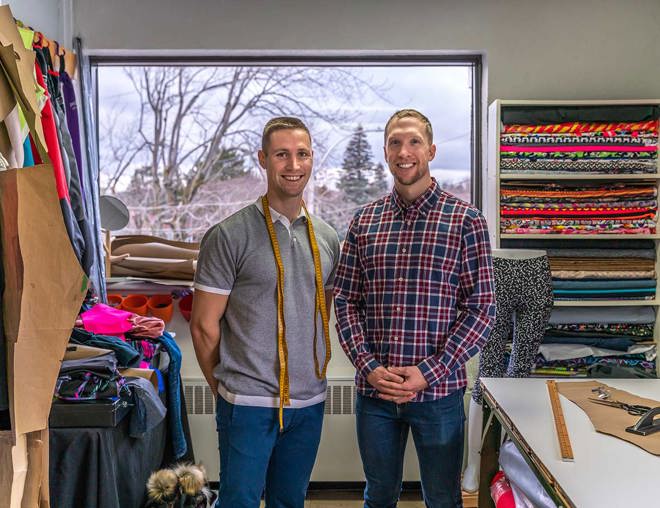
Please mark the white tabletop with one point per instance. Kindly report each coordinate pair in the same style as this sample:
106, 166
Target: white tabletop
607, 472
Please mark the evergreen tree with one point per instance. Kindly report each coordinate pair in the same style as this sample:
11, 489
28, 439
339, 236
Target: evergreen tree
379, 186
356, 169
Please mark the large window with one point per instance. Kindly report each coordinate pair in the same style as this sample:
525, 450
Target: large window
178, 143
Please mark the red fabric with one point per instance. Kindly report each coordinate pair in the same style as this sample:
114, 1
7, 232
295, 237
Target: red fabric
576, 148
501, 493
577, 127
578, 212
35, 153
52, 143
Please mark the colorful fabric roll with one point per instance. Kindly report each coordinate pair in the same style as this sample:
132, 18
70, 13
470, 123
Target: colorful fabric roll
580, 127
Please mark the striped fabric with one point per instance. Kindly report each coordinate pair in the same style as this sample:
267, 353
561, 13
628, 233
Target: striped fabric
579, 127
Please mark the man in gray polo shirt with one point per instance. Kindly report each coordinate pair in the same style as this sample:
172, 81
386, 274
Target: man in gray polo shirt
263, 290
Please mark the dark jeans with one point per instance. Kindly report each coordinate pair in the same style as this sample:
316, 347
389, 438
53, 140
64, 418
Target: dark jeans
437, 428
254, 454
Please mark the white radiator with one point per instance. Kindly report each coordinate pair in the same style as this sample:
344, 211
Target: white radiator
338, 458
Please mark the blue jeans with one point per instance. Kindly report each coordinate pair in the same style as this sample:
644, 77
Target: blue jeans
437, 428
255, 457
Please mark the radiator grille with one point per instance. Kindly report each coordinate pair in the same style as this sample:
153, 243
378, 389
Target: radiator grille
340, 398
199, 399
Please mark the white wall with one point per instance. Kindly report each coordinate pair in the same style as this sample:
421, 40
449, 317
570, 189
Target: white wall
551, 49
42, 15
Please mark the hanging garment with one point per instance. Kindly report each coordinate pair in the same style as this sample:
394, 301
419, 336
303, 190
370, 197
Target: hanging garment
523, 293
48, 116
72, 121
174, 400
28, 158
52, 144
73, 183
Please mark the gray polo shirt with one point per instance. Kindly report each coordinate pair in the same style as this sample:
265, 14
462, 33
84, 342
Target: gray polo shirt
236, 258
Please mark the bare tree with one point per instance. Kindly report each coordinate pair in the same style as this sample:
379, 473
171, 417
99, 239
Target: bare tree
196, 127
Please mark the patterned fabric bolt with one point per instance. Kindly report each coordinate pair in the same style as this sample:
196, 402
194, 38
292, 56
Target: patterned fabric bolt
414, 287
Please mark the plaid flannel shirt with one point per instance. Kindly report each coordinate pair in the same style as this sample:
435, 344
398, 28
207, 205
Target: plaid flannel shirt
415, 286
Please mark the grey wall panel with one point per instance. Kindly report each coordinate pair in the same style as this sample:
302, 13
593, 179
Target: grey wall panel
42, 15
559, 49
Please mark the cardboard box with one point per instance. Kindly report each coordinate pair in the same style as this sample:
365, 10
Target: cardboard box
97, 413
149, 374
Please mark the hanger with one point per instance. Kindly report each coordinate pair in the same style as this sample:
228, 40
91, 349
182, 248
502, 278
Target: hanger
36, 38
60, 52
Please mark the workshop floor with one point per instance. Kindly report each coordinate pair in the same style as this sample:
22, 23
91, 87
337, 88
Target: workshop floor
333, 499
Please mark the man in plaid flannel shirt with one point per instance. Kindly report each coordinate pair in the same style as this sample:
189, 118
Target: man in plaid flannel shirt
414, 299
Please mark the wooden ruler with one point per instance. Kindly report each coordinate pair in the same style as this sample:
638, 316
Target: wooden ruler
560, 423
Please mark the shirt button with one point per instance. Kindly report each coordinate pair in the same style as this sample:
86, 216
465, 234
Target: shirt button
398, 309
408, 222
394, 339
404, 250
400, 279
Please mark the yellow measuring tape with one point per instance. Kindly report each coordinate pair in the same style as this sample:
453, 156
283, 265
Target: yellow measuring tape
319, 306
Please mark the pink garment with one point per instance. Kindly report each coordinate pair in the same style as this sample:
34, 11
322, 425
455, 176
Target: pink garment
577, 148
144, 326
106, 320
148, 351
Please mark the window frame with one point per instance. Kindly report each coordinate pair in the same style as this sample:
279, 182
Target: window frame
318, 58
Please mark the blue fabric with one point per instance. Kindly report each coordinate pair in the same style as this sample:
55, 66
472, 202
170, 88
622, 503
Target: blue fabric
606, 342
127, 355
255, 456
161, 381
148, 410
179, 444
28, 158
604, 291
603, 284
437, 429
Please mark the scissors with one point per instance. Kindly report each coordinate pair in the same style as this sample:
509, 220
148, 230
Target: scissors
633, 409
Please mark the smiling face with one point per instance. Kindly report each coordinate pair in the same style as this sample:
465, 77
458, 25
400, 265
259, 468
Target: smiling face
408, 153
287, 160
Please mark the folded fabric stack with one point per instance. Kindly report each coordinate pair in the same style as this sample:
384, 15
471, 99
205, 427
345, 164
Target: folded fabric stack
580, 147
542, 207
152, 257
610, 272
597, 342
615, 269
93, 377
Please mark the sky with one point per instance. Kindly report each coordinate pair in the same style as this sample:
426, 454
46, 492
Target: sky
442, 93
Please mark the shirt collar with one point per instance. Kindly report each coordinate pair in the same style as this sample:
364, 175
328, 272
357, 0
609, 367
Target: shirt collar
423, 204
277, 216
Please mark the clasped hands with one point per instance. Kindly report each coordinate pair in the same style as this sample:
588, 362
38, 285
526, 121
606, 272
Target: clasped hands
397, 384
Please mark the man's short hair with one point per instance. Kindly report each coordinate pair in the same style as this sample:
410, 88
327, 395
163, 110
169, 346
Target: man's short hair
280, 123
403, 113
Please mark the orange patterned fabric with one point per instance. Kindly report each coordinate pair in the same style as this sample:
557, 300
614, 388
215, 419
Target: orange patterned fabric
581, 193
578, 127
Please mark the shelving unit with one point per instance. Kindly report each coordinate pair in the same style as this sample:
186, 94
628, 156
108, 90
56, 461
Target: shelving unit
495, 178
